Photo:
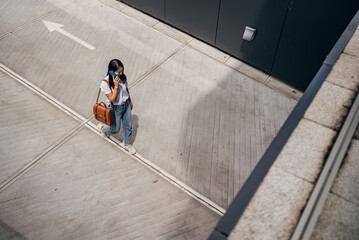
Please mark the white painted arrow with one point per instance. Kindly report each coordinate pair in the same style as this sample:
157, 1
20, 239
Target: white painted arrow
51, 26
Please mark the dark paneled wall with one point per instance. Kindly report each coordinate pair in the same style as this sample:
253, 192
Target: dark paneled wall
267, 17
311, 29
197, 17
292, 36
155, 8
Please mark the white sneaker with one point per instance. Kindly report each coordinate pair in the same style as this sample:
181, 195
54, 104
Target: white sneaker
130, 149
103, 134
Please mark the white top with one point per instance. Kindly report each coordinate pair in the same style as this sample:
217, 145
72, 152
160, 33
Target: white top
122, 95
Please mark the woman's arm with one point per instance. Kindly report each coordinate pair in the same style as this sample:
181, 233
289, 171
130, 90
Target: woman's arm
129, 98
113, 95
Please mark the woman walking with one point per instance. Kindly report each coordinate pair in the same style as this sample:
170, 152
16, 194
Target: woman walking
115, 87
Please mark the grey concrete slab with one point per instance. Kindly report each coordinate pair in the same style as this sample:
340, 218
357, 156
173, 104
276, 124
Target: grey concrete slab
352, 46
15, 13
346, 183
338, 220
340, 214
89, 189
305, 151
356, 134
173, 33
252, 72
113, 4
139, 16
206, 123
283, 88
264, 78
72, 73
29, 125
209, 50
274, 209
85, 188
174, 92
330, 105
345, 72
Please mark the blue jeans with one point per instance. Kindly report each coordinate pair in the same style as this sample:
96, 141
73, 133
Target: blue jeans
122, 112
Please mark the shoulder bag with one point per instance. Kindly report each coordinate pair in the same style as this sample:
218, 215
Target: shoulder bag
101, 112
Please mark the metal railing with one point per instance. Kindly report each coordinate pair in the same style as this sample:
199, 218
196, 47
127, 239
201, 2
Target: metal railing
327, 176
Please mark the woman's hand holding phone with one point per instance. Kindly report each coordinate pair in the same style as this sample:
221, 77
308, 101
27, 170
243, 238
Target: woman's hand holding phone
116, 81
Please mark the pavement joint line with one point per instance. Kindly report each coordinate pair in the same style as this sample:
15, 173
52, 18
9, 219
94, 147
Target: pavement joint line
265, 82
321, 124
8, 182
162, 173
141, 78
43, 94
168, 35
343, 198
225, 62
110, 6
27, 24
295, 175
344, 87
86, 122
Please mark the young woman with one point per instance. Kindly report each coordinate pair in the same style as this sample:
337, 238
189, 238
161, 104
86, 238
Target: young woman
116, 89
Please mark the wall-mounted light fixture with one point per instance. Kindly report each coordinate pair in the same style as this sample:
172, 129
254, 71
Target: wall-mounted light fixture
249, 34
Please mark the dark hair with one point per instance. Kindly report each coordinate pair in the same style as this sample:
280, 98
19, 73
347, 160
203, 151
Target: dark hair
114, 65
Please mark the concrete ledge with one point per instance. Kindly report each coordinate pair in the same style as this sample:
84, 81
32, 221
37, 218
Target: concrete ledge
274, 210
352, 46
339, 221
345, 72
305, 150
349, 173
330, 106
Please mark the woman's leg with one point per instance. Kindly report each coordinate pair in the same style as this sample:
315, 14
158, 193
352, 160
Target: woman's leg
127, 126
114, 128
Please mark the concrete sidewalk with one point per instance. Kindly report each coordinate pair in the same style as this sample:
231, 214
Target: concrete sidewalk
66, 182
200, 115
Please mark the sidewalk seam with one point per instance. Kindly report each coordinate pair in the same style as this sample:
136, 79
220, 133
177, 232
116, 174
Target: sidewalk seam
86, 122
142, 78
27, 24
12, 179
343, 198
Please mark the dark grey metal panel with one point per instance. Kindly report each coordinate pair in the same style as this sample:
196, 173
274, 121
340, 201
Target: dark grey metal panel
155, 8
198, 18
310, 31
265, 16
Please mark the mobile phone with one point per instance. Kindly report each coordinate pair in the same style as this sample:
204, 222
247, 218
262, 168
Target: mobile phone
113, 74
